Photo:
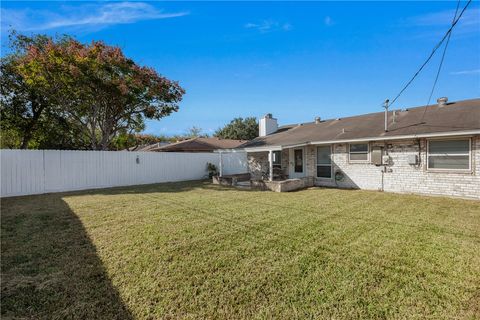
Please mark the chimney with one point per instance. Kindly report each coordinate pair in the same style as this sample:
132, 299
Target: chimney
442, 101
317, 120
267, 125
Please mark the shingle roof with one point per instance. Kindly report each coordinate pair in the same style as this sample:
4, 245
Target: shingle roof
200, 145
452, 117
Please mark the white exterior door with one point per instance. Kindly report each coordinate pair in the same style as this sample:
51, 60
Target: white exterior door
296, 167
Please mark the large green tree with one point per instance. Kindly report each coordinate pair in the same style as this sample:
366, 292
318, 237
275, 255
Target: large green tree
239, 129
27, 108
93, 90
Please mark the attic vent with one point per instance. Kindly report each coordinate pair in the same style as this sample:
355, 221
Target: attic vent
317, 119
442, 101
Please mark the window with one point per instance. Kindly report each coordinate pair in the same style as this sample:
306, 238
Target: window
359, 152
324, 162
277, 159
298, 160
449, 154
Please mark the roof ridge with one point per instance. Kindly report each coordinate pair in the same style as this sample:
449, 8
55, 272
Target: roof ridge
381, 112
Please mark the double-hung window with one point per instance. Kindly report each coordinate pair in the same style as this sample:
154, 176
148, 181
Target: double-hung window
358, 152
324, 162
449, 154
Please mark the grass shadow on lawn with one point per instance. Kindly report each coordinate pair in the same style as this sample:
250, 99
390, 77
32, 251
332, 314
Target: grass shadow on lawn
50, 267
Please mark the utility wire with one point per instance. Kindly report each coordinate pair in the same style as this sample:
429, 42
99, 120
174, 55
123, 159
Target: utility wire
440, 65
443, 55
454, 23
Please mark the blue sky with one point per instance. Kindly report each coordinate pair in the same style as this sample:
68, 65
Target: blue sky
295, 60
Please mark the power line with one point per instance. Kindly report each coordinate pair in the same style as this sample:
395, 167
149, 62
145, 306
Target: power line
454, 23
440, 65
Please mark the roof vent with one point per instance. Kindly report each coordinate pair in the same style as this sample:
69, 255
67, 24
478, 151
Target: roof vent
442, 101
317, 119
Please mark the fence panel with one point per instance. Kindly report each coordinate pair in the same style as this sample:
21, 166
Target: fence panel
233, 163
26, 172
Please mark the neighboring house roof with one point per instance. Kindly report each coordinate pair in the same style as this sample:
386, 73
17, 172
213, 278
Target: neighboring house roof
456, 117
200, 145
148, 147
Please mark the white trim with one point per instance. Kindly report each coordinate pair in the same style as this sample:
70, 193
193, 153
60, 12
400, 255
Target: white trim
413, 136
280, 156
359, 152
366, 139
469, 170
229, 150
270, 165
291, 166
262, 149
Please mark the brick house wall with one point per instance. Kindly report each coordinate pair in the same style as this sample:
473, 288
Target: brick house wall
403, 178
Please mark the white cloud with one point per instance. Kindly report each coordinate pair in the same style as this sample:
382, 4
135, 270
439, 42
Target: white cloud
328, 21
269, 26
471, 16
463, 72
469, 22
83, 16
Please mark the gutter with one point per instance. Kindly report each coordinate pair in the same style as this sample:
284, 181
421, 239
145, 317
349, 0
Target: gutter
412, 136
402, 137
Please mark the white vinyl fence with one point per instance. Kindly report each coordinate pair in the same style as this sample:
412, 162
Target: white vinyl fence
25, 172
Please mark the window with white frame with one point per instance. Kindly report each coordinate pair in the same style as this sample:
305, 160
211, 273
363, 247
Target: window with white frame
449, 154
324, 162
358, 152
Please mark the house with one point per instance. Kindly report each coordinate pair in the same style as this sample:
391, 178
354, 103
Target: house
431, 149
199, 145
148, 147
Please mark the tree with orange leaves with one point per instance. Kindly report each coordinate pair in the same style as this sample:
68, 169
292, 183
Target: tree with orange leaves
93, 90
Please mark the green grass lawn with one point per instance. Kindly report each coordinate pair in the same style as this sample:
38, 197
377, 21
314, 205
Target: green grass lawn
198, 251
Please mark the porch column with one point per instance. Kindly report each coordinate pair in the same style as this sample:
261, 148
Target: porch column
270, 162
220, 164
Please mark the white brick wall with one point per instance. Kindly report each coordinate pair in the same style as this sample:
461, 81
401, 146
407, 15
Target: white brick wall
404, 178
